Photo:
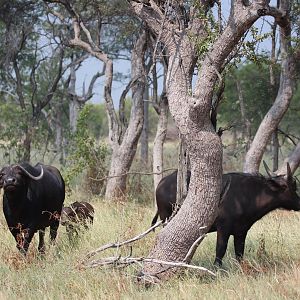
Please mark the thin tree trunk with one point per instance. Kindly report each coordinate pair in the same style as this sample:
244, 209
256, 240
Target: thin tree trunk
74, 108
280, 106
145, 132
234, 138
246, 134
27, 144
275, 150
158, 144
59, 136
275, 142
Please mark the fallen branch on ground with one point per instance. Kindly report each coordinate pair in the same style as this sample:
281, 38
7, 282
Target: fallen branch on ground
118, 261
117, 245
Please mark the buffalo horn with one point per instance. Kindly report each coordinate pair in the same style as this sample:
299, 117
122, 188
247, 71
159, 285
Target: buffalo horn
269, 172
31, 176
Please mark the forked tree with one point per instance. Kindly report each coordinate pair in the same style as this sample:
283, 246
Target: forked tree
87, 34
181, 33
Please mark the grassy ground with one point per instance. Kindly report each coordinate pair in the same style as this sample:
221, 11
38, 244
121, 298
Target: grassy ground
271, 269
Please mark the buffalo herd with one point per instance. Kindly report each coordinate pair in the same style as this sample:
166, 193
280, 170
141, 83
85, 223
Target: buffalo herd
33, 198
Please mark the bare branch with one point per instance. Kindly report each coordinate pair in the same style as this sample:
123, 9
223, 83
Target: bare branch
117, 261
131, 83
132, 173
289, 136
120, 244
55, 82
193, 248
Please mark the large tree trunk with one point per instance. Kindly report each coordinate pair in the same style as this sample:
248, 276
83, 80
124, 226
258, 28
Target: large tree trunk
192, 116
121, 161
278, 109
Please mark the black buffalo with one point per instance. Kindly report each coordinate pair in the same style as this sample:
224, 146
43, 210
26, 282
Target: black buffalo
78, 214
247, 199
32, 200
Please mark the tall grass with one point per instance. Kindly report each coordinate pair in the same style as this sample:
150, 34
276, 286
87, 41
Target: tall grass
270, 271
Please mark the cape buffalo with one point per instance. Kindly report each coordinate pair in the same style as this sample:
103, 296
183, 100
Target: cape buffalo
32, 200
76, 215
247, 199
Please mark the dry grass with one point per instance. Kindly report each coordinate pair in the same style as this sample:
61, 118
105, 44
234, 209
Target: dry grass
271, 269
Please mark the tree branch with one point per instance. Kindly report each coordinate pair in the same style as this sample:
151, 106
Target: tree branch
118, 261
120, 244
56, 80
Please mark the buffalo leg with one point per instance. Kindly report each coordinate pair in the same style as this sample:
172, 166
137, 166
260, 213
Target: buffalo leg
53, 231
41, 246
222, 241
239, 245
23, 240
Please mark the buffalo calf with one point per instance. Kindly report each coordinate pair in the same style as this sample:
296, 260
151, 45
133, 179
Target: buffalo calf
247, 199
78, 214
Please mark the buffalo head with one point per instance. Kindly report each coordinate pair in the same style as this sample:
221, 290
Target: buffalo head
15, 176
285, 187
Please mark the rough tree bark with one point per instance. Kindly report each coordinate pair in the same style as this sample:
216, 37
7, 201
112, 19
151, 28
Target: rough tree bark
191, 112
282, 101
